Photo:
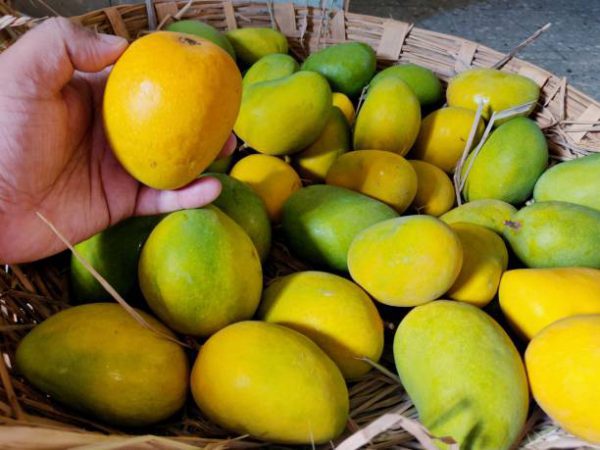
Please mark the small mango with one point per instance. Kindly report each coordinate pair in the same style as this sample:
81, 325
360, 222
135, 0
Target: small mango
270, 67
489, 213
435, 191
345, 105
251, 44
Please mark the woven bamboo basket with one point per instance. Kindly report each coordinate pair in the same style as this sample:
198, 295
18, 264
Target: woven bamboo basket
31, 293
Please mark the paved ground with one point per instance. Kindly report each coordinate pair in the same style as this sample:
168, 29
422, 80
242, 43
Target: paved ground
570, 48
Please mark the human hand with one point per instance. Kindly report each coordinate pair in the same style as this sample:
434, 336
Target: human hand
54, 157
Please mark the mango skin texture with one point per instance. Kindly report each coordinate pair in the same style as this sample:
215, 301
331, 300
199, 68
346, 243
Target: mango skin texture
509, 163
463, 373
532, 299
563, 363
576, 181
488, 213
406, 261
286, 115
270, 67
555, 234
435, 191
251, 44
98, 360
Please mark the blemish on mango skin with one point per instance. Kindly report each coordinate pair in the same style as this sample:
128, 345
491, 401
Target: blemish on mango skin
513, 225
188, 41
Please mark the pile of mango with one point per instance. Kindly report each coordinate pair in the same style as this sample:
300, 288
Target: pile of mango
366, 199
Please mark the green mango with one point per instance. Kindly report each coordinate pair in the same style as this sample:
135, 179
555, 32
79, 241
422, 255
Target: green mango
114, 253
202, 30
247, 209
509, 163
487, 213
335, 140
348, 66
389, 119
426, 86
555, 234
463, 373
98, 360
270, 67
320, 222
251, 44
576, 181
498, 90
284, 116
220, 165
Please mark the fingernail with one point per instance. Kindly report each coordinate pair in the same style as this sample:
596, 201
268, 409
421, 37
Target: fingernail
111, 39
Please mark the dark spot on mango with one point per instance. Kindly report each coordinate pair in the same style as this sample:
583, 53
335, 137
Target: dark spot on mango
188, 41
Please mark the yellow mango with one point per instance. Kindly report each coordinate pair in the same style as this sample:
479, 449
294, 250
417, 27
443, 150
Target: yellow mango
498, 90
345, 104
484, 260
270, 67
563, 365
489, 213
532, 299
271, 178
435, 191
285, 115
385, 176
251, 44
389, 118
443, 136
332, 311
314, 162
406, 261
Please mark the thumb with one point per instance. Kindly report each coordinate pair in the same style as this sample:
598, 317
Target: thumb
43, 61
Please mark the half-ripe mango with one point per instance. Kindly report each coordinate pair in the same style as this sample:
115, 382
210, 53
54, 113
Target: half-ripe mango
320, 222
346, 106
389, 118
272, 383
270, 67
199, 271
532, 299
99, 360
406, 261
576, 181
242, 204
509, 163
251, 44
348, 66
332, 311
202, 30
489, 213
463, 373
385, 176
435, 191
443, 137
426, 86
496, 89
271, 178
169, 106
563, 363
484, 261
555, 234
286, 115
314, 162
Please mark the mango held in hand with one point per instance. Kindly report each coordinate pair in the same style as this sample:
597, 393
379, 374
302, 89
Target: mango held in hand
320, 222
202, 30
423, 82
555, 234
443, 136
314, 162
270, 382
563, 363
532, 299
484, 260
576, 181
348, 66
286, 115
270, 67
498, 90
243, 205
463, 373
490, 213
169, 106
509, 163
389, 118
406, 261
332, 311
199, 271
92, 358
251, 44
385, 176
435, 191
